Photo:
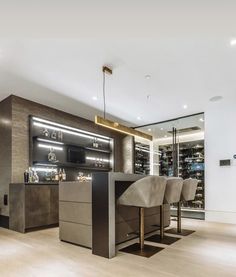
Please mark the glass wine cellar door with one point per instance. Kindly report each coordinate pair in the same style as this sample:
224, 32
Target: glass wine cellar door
177, 149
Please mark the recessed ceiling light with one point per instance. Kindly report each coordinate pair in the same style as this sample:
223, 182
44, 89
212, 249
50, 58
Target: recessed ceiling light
201, 119
147, 77
138, 117
162, 129
185, 106
165, 136
216, 98
233, 42
149, 130
95, 98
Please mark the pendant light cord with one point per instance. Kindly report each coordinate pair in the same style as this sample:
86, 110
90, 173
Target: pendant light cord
104, 95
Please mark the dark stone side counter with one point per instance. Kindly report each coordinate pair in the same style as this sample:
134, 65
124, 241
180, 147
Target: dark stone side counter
33, 206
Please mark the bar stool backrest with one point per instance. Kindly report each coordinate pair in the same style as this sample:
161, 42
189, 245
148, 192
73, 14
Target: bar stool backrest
173, 190
146, 193
189, 189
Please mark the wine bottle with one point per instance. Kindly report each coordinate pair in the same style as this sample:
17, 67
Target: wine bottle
56, 176
63, 175
60, 175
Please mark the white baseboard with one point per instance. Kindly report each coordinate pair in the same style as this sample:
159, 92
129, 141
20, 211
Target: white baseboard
221, 217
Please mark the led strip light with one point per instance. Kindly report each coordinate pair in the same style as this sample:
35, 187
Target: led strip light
50, 147
67, 129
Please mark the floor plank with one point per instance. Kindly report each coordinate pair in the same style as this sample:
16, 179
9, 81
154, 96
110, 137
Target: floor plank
210, 251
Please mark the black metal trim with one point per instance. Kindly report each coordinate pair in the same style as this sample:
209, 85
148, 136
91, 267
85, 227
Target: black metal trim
33, 229
169, 120
100, 214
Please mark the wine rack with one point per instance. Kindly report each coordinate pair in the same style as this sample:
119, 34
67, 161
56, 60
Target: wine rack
190, 165
142, 158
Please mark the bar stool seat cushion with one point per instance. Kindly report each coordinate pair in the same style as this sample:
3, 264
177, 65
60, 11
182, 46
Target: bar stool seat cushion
146, 193
173, 190
189, 189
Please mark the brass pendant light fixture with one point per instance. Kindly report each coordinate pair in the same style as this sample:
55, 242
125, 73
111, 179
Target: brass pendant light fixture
115, 125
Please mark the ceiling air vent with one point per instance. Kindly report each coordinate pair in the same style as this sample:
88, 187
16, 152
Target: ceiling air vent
186, 130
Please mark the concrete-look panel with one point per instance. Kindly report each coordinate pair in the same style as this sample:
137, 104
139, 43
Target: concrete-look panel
76, 212
5, 152
33, 206
76, 233
75, 192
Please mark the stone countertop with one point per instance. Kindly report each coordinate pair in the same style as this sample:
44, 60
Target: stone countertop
40, 183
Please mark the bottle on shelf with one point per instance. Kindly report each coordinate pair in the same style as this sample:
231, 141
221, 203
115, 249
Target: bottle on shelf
35, 177
63, 175
56, 176
26, 176
52, 175
54, 135
60, 175
30, 175
46, 133
95, 143
60, 135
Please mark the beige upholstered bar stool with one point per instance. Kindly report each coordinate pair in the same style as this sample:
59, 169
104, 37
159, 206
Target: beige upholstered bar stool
147, 192
172, 195
188, 194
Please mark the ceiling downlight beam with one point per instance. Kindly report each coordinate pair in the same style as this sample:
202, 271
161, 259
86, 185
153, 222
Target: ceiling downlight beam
121, 128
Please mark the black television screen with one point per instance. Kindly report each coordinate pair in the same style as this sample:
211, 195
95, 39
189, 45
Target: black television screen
76, 155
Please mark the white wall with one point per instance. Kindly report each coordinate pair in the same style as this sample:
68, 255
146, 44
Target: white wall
220, 143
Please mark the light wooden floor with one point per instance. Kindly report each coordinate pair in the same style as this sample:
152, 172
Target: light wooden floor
211, 252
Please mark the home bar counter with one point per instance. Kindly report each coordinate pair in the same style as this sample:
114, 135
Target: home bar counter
90, 217
33, 206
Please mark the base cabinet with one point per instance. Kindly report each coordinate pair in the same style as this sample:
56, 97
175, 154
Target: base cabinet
33, 206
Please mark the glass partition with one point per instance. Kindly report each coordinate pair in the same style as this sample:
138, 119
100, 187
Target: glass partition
157, 157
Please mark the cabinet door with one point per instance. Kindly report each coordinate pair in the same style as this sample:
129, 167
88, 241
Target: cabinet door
41, 205
54, 205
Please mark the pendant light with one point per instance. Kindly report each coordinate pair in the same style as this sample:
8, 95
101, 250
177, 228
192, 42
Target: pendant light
115, 125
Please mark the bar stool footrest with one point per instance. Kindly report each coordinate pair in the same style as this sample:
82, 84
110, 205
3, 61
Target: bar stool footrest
183, 232
146, 252
165, 240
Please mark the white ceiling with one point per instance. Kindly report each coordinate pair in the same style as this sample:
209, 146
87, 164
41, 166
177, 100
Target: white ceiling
185, 48
163, 130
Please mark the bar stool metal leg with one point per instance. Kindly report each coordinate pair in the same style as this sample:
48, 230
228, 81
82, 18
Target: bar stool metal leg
162, 238
179, 230
161, 222
141, 228
179, 217
141, 249
188, 194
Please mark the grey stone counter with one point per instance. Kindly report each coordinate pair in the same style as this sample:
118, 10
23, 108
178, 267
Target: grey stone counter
42, 183
33, 206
